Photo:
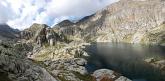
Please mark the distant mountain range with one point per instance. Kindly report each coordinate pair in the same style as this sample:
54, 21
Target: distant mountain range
8, 33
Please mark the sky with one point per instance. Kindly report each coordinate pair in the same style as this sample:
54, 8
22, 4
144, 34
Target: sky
21, 14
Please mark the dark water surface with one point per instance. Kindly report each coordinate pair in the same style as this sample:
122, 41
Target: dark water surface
127, 59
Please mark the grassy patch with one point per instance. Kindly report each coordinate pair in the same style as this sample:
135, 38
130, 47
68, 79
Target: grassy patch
84, 77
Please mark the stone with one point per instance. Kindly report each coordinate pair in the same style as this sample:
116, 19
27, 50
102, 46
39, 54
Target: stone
56, 72
81, 61
108, 75
162, 62
60, 51
79, 52
20, 68
122, 78
101, 73
51, 42
46, 76
150, 60
50, 36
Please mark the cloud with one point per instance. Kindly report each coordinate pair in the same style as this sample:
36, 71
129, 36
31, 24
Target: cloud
5, 12
23, 13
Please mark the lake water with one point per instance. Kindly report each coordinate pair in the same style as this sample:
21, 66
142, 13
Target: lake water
127, 59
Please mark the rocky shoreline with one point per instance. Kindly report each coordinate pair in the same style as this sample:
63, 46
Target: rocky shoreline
160, 64
20, 68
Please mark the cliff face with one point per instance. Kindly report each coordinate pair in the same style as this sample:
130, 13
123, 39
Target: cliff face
130, 21
7, 33
41, 34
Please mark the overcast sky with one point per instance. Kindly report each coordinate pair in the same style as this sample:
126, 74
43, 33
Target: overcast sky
23, 13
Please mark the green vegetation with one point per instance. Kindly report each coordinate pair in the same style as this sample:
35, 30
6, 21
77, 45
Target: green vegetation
78, 75
3, 77
86, 77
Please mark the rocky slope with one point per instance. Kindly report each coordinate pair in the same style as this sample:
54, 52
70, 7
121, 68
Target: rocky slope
8, 33
14, 66
41, 34
130, 21
61, 61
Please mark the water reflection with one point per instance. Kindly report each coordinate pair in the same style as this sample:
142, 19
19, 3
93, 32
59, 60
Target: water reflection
127, 59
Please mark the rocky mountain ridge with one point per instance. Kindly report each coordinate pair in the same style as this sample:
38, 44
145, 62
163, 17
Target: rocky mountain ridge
129, 21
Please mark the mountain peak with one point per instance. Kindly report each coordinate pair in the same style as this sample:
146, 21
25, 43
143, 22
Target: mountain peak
65, 23
129, 21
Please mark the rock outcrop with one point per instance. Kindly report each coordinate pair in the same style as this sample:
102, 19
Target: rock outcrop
17, 67
40, 34
160, 64
59, 51
62, 65
130, 21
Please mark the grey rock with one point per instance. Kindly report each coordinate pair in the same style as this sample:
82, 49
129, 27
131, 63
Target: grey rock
76, 65
122, 78
80, 61
161, 62
46, 76
40, 34
79, 52
99, 74
150, 60
20, 68
109, 75
56, 72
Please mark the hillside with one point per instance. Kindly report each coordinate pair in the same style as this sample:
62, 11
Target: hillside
7, 32
129, 21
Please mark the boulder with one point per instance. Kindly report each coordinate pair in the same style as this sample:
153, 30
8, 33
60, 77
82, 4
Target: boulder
108, 75
80, 61
160, 64
156, 63
122, 78
150, 60
104, 73
74, 64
